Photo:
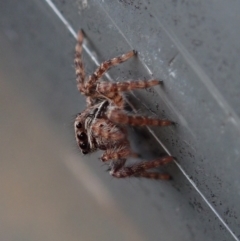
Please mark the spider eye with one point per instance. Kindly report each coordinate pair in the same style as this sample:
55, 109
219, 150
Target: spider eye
84, 152
83, 145
82, 136
78, 125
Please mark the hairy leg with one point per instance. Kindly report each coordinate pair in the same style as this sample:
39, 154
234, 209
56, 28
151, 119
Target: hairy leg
121, 117
113, 90
109, 89
117, 154
106, 65
139, 170
79, 69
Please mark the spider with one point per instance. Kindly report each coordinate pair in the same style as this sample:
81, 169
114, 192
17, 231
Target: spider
103, 124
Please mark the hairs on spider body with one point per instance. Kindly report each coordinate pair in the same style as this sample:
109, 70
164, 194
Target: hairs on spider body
102, 125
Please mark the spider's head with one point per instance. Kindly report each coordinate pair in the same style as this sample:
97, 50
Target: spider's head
81, 135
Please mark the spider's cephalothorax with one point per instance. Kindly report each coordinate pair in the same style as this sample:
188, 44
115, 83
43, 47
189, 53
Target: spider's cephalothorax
102, 125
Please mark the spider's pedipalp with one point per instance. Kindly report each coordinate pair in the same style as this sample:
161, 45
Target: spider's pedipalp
154, 175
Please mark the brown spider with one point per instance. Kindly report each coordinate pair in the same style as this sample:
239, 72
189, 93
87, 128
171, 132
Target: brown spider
102, 125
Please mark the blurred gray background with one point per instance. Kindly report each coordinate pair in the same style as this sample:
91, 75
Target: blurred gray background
49, 191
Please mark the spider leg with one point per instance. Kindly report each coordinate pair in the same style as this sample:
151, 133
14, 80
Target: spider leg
120, 117
106, 65
79, 69
139, 170
109, 89
154, 175
113, 90
117, 98
117, 154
